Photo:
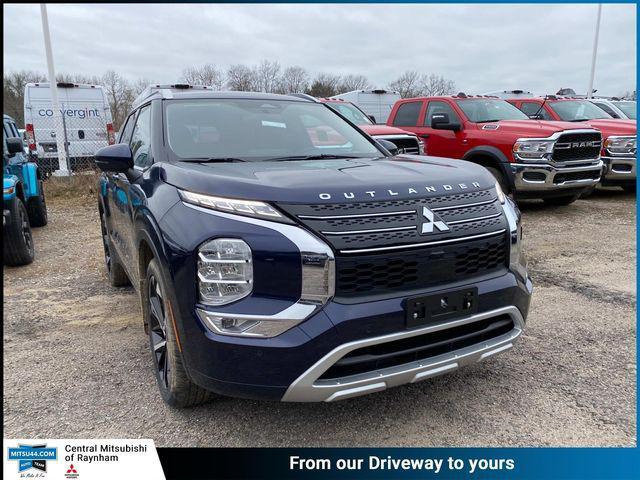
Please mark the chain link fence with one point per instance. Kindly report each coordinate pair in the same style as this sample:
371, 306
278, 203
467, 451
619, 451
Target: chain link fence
83, 131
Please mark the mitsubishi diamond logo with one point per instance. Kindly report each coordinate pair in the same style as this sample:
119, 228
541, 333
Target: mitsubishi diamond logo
430, 221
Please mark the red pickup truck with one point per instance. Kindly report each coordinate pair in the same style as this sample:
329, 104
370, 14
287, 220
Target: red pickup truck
619, 136
406, 142
555, 161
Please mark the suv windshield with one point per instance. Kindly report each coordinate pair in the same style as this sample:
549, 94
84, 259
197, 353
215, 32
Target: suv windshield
350, 112
577, 110
629, 108
258, 129
480, 110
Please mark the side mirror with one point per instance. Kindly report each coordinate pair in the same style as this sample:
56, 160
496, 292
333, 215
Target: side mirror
14, 145
372, 118
391, 147
114, 158
441, 121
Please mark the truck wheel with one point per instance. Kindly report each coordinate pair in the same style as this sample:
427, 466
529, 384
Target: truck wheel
37, 208
115, 271
629, 188
18, 241
561, 201
175, 386
500, 178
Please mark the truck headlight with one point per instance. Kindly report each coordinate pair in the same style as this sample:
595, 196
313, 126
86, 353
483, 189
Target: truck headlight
248, 208
525, 149
620, 145
225, 271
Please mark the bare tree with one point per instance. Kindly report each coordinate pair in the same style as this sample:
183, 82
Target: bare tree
205, 75
267, 76
78, 78
294, 80
241, 78
13, 92
350, 83
407, 84
434, 85
324, 85
120, 95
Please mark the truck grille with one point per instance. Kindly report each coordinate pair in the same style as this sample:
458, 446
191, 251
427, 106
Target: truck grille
577, 146
406, 144
381, 248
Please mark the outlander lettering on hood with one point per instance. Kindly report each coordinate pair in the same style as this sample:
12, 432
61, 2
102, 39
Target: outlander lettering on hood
396, 192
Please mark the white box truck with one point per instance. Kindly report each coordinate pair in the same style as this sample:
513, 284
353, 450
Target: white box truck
86, 118
375, 103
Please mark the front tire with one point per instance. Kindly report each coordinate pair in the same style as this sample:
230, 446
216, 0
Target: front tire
500, 178
37, 208
561, 201
176, 389
18, 241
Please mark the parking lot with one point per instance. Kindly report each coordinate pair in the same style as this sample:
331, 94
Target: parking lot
77, 362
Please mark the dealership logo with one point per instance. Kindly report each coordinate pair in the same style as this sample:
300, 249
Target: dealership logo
431, 221
71, 472
32, 456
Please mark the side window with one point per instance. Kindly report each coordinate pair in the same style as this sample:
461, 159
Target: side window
407, 114
436, 107
533, 108
141, 139
128, 128
607, 109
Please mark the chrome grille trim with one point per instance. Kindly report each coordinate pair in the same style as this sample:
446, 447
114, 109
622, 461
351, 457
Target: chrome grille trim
469, 220
466, 205
375, 230
355, 215
423, 244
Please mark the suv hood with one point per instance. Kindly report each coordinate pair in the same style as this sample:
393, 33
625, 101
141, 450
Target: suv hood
374, 130
330, 181
529, 128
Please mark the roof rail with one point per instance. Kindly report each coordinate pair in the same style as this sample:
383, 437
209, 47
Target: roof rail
304, 96
165, 91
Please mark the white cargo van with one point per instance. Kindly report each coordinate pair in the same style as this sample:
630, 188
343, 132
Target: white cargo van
375, 103
87, 123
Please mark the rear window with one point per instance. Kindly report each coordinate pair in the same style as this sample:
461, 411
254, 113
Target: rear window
407, 114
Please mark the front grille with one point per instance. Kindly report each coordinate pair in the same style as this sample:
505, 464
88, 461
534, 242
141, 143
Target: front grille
572, 176
568, 147
408, 144
383, 273
387, 247
419, 347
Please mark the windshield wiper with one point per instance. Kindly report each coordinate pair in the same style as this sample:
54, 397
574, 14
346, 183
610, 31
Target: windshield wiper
580, 120
489, 121
213, 160
320, 156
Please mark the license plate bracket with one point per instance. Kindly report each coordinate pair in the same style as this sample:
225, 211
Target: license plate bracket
441, 306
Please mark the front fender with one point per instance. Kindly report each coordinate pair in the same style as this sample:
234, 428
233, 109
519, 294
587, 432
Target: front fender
500, 159
30, 180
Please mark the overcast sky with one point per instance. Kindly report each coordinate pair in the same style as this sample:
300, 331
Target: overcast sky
481, 47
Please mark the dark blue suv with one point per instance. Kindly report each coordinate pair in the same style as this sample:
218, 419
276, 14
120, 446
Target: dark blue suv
281, 253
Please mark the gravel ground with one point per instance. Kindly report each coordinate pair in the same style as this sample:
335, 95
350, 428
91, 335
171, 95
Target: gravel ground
76, 362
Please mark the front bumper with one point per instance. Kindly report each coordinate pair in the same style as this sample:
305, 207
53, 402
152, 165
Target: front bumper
619, 170
534, 180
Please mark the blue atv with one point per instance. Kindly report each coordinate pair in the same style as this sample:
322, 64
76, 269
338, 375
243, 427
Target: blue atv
24, 203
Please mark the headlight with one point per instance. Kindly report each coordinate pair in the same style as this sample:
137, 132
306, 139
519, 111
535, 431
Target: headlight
525, 149
225, 271
231, 205
8, 190
517, 259
620, 145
